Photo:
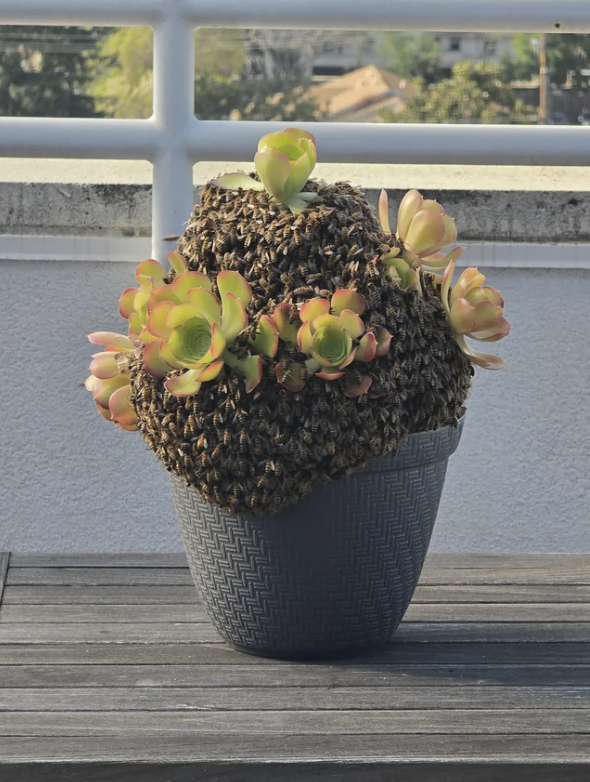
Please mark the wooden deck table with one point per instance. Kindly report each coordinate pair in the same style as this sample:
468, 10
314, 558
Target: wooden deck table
110, 672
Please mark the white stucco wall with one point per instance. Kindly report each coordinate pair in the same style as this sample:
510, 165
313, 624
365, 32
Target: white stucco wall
70, 482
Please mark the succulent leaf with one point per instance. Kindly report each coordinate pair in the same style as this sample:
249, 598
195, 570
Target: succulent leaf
110, 339
237, 181
266, 341
367, 348
354, 389
233, 282
177, 262
383, 341
313, 308
186, 281
153, 361
233, 318
474, 310
282, 320
384, 212
183, 385
150, 269
347, 299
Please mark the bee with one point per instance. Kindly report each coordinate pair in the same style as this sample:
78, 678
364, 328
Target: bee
330, 447
248, 240
242, 352
217, 452
285, 407
354, 250
324, 218
325, 293
315, 423
304, 291
268, 236
216, 475
286, 279
217, 418
306, 437
262, 482
373, 271
313, 278
344, 233
283, 248
269, 466
304, 372
297, 239
243, 441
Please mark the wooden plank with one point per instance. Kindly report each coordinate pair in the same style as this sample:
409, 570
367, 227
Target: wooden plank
114, 576
110, 633
399, 653
4, 559
551, 574
325, 771
279, 723
336, 749
434, 559
146, 594
172, 560
518, 561
564, 571
289, 699
199, 633
160, 614
282, 675
103, 595
498, 612
494, 593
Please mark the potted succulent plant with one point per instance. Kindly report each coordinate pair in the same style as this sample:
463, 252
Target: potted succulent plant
301, 371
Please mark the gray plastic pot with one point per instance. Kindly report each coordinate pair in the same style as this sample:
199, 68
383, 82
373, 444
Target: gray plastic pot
332, 575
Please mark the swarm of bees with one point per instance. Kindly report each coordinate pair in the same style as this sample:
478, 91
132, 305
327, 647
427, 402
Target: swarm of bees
257, 452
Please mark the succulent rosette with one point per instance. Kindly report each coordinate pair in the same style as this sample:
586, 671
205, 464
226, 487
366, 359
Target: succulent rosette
109, 378
423, 229
284, 162
189, 328
333, 335
474, 310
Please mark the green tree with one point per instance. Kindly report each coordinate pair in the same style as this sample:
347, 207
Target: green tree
567, 56
44, 71
123, 83
410, 56
474, 94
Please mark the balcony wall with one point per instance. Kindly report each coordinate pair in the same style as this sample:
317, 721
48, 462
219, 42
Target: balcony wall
70, 482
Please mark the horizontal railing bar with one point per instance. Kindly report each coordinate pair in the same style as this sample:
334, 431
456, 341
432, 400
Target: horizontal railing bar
107, 13
436, 15
567, 16
122, 139
400, 143
338, 142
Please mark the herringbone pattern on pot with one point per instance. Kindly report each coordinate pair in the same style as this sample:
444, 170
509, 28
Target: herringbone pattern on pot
333, 573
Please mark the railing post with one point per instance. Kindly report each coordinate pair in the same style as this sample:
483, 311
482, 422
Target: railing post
172, 190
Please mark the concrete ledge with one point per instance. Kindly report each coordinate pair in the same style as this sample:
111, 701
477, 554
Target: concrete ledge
125, 211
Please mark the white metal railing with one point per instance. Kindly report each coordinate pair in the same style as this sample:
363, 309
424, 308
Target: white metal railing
173, 139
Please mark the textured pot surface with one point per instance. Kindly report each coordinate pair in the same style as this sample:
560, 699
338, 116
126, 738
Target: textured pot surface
333, 574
